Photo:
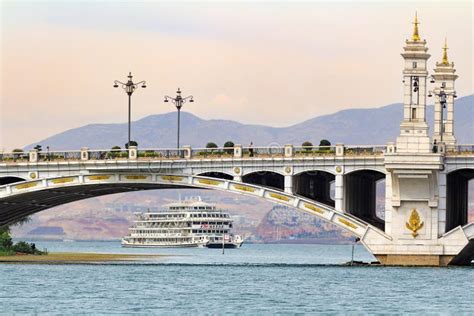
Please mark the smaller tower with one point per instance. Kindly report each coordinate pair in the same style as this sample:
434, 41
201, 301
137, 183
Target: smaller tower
444, 93
414, 128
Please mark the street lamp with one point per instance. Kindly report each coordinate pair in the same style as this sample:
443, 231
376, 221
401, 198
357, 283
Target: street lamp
129, 88
442, 95
178, 102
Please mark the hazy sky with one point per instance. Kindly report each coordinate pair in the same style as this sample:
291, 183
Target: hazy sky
275, 63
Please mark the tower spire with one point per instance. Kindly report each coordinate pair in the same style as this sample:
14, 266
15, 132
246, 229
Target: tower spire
416, 36
445, 53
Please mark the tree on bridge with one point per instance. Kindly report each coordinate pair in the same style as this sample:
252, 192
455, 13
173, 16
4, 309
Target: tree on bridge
324, 143
229, 147
132, 143
211, 145
308, 146
38, 147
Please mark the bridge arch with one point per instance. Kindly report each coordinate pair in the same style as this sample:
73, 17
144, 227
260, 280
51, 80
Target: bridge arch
29, 197
316, 185
457, 197
360, 195
270, 179
217, 175
8, 180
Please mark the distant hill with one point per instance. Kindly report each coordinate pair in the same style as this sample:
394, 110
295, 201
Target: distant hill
354, 126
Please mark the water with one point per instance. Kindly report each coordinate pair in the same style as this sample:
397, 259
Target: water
256, 280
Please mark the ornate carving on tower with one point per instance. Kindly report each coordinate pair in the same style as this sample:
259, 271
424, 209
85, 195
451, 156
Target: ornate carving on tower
444, 93
414, 128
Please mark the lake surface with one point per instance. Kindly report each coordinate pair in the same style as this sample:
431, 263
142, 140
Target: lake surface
253, 280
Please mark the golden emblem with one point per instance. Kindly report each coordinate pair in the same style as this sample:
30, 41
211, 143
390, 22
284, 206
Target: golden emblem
338, 169
237, 170
288, 170
32, 175
414, 223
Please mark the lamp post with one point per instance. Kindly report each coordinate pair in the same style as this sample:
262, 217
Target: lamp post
178, 101
442, 95
129, 88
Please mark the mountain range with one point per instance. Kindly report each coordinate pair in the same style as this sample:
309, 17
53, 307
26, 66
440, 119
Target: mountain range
352, 126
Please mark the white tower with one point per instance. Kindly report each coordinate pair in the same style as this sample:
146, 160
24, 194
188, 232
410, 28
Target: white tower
444, 93
414, 128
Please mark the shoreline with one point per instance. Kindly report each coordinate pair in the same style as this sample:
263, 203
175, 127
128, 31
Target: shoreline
79, 257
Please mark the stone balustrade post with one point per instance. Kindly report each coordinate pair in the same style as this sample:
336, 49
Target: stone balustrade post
289, 150
187, 152
132, 152
442, 148
84, 153
238, 151
391, 148
339, 150
33, 155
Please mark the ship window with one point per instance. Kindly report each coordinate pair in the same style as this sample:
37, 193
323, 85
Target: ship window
415, 64
413, 113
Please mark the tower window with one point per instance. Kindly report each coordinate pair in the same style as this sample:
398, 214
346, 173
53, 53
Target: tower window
415, 64
413, 114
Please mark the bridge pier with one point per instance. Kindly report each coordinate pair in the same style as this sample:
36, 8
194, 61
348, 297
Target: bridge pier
289, 184
339, 192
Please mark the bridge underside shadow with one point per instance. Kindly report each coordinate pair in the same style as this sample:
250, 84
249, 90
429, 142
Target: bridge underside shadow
361, 196
315, 185
457, 198
18, 206
265, 178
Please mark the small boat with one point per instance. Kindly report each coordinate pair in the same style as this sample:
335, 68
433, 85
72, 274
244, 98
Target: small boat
230, 241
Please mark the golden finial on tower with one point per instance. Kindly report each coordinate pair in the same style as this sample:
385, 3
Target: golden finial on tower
416, 35
445, 53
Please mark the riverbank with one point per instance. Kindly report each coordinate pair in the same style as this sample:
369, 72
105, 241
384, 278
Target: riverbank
74, 258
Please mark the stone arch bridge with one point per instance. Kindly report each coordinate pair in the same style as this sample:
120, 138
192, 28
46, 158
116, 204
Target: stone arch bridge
336, 183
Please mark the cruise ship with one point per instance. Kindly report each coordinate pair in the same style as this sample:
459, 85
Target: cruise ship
187, 223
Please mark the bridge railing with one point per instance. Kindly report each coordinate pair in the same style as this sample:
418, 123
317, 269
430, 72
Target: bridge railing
263, 152
236, 152
462, 149
209, 153
110, 154
365, 150
162, 153
314, 151
14, 156
59, 155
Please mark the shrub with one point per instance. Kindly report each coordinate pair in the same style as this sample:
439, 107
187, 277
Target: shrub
211, 145
308, 146
324, 143
229, 145
5, 240
132, 143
